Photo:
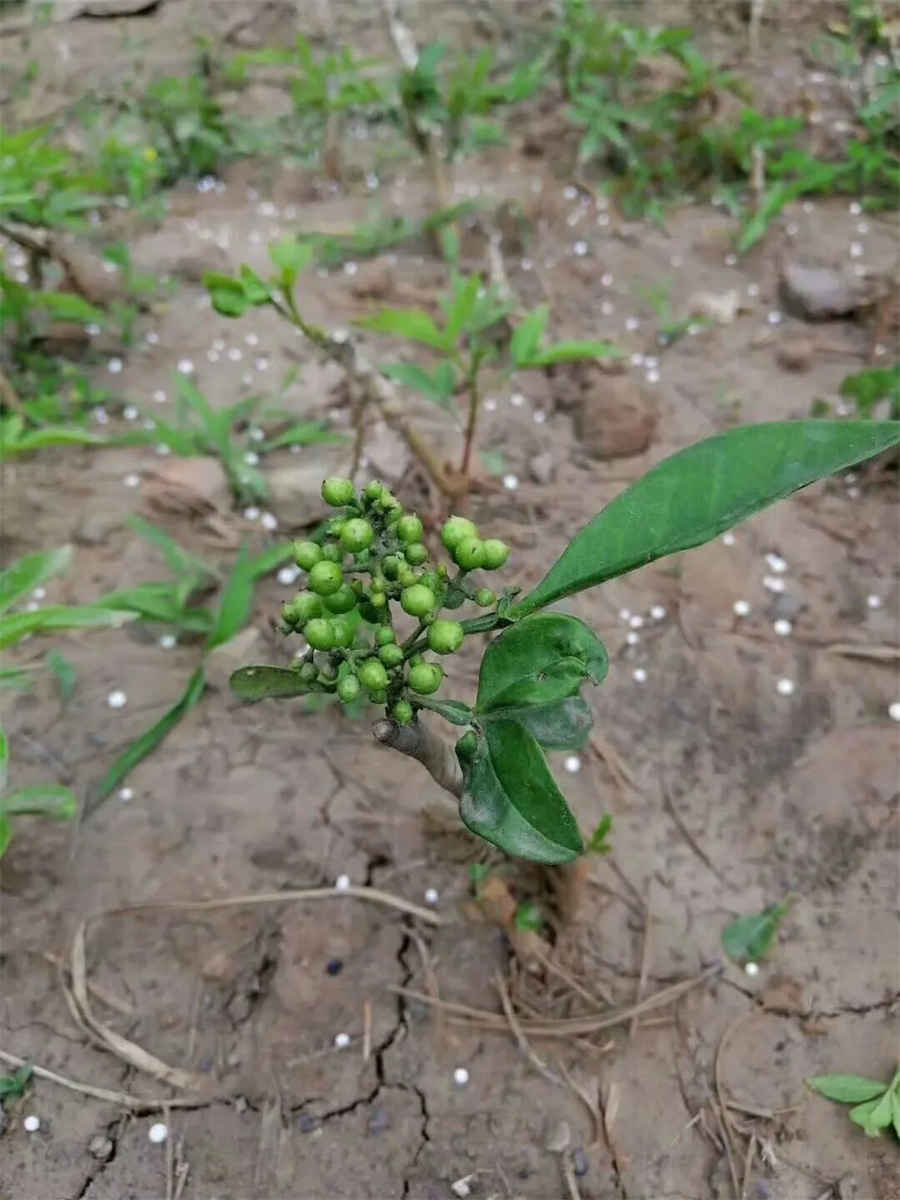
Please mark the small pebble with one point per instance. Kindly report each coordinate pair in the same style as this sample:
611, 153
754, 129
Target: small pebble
773, 583
658, 613
782, 627
639, 675
460, 1076
342, 1040
287, 575
728, 538
116, 699
342, 883
39, 593
752, 968
573, 764
785, 687
624, 614
168, 641
32, 1124
873, 601
158, 1132
130, 413
432, 895
636, 621
126, 794
894, 710
251, 513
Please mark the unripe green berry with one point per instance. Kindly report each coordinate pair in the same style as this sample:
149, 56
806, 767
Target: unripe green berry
391, 655
306, 554
485, 597
357, 534
445, 637
416, 554
402, 712
373, 490
325, 578
305, 606
495, 553
373, 676
337, 491
384, 635
390, 564
406, 576
348, 689
308, 672
455, 529
378, 600
319, 633
425, 678
332, 553
409, 529
378, 697
417, 600
469, 553
341, 601
334, 526
344, 631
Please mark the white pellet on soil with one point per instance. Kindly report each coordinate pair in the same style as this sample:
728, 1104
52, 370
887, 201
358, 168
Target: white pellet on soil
511, 482
658, 613
776, 563
342, 883
158, 1133
114, 366
773, 583
728, 538
116, 699
894, 710
573, 764
251, 513
269, 521
752, 968
460, 1076
785, 687
126, 794
873, 601
639, 675
782, 627
32, 1123
741, 608
432, 895
159, 396
342, 1040
624, 614
168, 641
632, 638
132, 481
186, 367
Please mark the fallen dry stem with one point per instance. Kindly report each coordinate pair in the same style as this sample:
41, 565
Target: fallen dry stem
108, 1095
516, 1029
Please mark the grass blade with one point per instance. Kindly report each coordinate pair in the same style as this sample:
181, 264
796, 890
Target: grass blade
147, 742
30, 572
42, 800
51, 620
66, 678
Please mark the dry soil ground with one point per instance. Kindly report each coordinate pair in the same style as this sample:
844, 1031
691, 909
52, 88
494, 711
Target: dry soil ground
726, 794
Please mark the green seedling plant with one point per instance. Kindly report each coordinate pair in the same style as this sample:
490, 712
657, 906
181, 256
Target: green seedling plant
38, 800
379, 616
750, 939
876, 1105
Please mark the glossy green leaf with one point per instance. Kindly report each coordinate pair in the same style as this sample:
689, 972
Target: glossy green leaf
292, 256
561, 725
847, 1089
256, 291
510, 798
526, 337
64, 673
227, 295
57, 618
41, 800
574, 351
27, 573
147, 742
749, 939
453, 711
410, 323
66, 306
698, 493
267, 683
460, 310
538, 661
5, 834
4, 758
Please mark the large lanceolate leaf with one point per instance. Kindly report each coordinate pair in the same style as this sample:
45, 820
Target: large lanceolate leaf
696, 494
511, 799
539, 661
267, 683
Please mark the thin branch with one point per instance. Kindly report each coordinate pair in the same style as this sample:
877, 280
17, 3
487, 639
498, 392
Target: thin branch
516, 1030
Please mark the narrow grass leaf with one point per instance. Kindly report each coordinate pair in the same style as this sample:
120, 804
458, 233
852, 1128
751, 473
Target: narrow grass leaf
27, 573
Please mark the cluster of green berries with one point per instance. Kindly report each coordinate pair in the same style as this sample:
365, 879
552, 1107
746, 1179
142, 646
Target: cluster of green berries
373, 555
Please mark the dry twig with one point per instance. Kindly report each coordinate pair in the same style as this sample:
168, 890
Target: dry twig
516, 1030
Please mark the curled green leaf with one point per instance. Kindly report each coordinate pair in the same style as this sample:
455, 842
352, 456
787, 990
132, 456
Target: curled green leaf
267, 683
540, 660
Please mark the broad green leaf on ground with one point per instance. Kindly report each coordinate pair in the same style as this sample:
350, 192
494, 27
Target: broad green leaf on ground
41, 800
267, 683
749, 939
847, 1089
874, 1115
54, 619
698, 493
541, 659
27, 573
147, 742
510, 798
561, 725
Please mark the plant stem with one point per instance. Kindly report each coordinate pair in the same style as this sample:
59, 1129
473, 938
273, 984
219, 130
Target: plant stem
472, 423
